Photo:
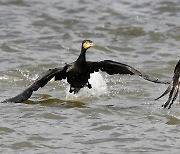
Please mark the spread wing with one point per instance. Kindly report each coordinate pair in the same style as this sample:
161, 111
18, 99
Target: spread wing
58, 73
112, 67
173, 88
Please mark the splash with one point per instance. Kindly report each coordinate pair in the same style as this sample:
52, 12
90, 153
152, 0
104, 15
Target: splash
99, 87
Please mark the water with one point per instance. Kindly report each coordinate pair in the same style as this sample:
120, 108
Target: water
122, 116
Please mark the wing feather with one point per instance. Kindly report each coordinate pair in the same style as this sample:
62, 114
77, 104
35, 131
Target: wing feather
59, 73
112, 67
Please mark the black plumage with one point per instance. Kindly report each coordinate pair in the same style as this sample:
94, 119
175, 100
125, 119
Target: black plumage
78, 74
173, 88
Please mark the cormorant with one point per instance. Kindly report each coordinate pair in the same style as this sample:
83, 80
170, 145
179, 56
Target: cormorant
173, 88
78, 74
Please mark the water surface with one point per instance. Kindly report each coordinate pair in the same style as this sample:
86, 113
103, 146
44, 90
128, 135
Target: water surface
119, 115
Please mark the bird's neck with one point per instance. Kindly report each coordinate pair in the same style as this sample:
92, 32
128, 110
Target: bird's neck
82, 57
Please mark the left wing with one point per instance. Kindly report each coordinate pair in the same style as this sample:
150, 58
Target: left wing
112, 67
173, 88
40, 82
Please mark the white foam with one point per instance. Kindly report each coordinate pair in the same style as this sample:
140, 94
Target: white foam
99, 88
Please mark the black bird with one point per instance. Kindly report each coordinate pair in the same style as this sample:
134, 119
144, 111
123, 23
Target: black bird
78, 74
173, 88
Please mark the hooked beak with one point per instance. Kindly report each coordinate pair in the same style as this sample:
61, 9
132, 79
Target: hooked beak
91, 44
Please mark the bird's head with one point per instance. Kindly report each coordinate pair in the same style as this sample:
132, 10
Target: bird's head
86, 44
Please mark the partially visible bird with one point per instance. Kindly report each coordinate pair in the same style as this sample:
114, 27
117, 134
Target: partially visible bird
173, 88
78, 74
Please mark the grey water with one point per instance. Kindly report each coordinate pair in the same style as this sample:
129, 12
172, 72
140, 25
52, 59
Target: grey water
119, 115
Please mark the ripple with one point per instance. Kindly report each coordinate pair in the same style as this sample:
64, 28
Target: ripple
38, 138
22, 145
9, 48
53, 116
173, 121
103, 127
130, 31
6, 130
119, 140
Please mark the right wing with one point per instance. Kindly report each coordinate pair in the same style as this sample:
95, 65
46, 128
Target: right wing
173, 88
113, 67
59, 73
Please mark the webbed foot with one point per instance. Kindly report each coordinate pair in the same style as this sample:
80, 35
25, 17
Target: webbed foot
75, 90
